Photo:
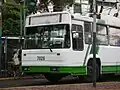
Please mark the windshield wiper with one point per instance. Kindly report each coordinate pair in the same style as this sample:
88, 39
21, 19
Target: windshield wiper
50, 47
51, 50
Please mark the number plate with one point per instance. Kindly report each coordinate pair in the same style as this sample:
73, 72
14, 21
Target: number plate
40, 58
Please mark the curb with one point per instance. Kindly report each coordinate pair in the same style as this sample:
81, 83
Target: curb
26, 77
83, 86
9, 78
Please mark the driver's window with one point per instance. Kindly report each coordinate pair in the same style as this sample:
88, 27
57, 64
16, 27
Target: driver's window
77, 37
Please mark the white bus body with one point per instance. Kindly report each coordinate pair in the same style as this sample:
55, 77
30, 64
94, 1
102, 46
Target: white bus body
48, 52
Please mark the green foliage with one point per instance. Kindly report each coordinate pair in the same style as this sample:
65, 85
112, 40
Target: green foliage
11, 19
31, 6
11, 12
58, 4
62, 2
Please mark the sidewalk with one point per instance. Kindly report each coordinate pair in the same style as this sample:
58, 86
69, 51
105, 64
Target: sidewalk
7, 78
22, 77
80, 86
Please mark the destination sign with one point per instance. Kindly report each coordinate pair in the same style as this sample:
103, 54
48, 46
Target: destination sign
48, 19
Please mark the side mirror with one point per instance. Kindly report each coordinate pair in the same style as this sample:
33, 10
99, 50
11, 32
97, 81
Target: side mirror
89, 38
75, 34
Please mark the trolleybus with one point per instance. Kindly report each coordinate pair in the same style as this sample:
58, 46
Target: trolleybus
58, 44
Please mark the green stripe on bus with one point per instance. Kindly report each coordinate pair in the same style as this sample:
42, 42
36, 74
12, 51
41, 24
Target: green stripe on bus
111, 69
79, 70
97, 49
73, 70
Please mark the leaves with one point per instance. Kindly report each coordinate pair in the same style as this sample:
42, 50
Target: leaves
11, 18
59, 5
11, 13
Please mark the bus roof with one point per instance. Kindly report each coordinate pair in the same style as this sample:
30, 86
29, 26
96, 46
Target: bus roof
105, 20
48, 13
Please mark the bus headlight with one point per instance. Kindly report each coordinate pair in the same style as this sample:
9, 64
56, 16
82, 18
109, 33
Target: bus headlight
26, 68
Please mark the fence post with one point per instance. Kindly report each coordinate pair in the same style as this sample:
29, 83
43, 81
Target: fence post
0, 34
5, 52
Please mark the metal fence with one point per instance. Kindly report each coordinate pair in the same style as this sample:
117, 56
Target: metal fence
9, 45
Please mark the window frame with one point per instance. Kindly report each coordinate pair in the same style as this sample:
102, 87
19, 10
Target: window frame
78, 29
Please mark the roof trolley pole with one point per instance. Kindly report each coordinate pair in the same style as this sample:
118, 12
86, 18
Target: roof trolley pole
94, 43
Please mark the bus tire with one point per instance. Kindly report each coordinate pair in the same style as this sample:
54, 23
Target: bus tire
90, 71
53, 77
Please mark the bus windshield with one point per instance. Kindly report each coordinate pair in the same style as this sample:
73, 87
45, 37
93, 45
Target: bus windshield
50, 36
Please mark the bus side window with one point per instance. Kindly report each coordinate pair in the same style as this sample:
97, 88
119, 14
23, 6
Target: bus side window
77, 37
101, 35
114, 36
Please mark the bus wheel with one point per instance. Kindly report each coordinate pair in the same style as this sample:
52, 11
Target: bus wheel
90, 71
53, 77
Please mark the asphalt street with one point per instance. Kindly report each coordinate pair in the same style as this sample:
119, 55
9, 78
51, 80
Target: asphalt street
22, 82
43, 81
33, 82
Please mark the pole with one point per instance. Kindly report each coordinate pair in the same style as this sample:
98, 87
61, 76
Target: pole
21, 26
5, 53
94, 43
80, 7
24, 21
0, 35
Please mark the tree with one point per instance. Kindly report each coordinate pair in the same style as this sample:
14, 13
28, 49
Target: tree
11, 18
11, 13
31, 6
59, 5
